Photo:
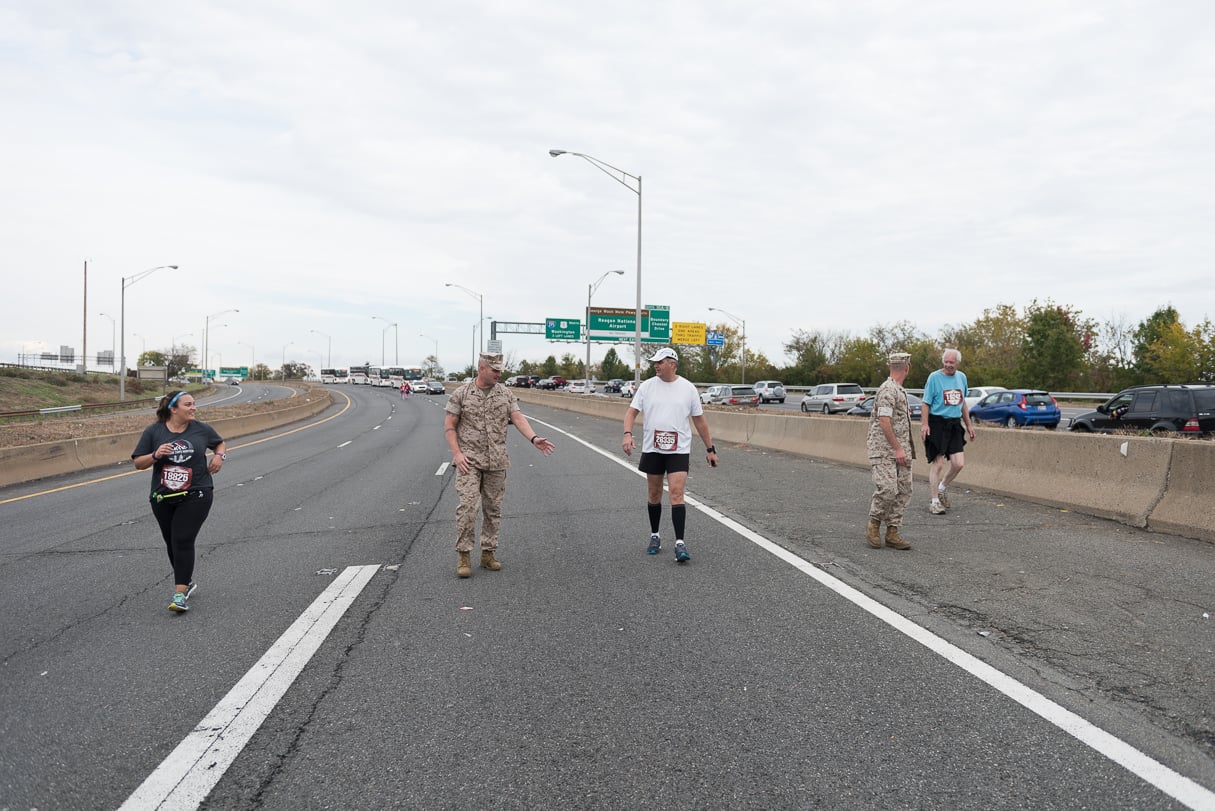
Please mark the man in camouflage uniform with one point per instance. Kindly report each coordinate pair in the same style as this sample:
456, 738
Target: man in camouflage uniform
475, 427
890, 454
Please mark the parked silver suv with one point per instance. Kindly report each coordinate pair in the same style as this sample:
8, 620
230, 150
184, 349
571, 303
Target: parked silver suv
769, 390
831, 398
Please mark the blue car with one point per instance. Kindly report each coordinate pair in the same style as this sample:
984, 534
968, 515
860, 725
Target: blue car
1018, 408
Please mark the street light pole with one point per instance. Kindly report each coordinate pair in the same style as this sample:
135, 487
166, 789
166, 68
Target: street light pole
742, 321
590, 290
173, 348
284, 368
330, 357
207, 340
608, 170
252, 359
127, 281
474, 347
436, 340
480, 300
113, 341
383, 332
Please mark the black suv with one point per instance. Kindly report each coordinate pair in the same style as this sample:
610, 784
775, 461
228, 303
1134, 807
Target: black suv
1188, 409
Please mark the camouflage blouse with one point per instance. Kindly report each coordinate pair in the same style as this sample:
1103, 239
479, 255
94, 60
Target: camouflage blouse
483, 417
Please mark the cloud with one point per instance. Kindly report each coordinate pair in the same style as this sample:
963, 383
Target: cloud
808, 166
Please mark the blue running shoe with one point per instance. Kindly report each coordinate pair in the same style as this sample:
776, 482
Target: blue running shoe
179, 603
655, 544
681, 553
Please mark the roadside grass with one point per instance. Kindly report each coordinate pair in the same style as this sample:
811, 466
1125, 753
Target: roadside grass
28, 389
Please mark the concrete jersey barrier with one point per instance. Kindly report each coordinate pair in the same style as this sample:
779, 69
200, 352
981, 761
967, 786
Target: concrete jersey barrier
1147, 482
31, 462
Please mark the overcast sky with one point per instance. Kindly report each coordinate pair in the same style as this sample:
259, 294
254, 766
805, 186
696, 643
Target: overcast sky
806, 165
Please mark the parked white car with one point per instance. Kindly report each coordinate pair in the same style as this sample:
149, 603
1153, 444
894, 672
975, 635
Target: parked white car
976, 393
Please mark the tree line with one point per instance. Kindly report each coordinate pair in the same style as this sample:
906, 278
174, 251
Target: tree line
1043, 345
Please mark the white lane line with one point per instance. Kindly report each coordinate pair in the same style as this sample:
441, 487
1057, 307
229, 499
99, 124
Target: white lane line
347, 442
1143, 766
187, 775
442, 469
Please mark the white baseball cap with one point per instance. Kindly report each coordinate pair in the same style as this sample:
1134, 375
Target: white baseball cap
663, 354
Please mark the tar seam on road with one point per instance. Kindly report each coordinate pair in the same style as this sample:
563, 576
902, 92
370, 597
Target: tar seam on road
1178, 786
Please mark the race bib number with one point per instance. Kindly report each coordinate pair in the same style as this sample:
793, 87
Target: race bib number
175, 478
666, 440
952, 397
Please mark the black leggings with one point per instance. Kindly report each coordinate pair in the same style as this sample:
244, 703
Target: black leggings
180, 519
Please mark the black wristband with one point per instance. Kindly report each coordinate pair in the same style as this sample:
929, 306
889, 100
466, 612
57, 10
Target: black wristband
533, 439
711, 449
628, 433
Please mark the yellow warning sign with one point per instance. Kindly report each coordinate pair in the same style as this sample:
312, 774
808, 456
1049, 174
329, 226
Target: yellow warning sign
687, 332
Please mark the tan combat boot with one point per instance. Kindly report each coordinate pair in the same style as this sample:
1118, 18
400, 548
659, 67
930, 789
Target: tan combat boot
463, 565
488, 561
894, 540
873, 533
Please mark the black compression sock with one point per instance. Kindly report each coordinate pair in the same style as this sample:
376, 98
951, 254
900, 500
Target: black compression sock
679, 514
655, 511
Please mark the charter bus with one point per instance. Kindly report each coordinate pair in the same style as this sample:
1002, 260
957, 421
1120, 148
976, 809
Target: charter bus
333, 375
389, 376
359, 375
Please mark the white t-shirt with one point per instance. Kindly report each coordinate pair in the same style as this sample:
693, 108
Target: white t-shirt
666, 408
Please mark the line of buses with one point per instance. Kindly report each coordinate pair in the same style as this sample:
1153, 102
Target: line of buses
389, 376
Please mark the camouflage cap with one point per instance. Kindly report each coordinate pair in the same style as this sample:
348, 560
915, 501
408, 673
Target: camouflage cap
899, 359
493, 361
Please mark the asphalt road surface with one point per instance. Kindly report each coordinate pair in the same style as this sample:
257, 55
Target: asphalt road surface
1018, 657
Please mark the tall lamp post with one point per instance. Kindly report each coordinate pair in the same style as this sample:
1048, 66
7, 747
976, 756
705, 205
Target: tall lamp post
743, 322
127, 281
328, 362
623, 180
474, 347
252, 359
113, 341
207, 339
284, 368
383, 333
480, 300
173, 347
590, 290
436, 340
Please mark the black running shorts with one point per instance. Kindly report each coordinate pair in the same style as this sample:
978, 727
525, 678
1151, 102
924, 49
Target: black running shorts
656, 464
946, 436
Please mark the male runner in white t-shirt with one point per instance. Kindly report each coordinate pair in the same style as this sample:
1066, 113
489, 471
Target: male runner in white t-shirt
668, 402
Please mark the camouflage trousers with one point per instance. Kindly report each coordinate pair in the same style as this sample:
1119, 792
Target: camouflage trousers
891, 491
484, 490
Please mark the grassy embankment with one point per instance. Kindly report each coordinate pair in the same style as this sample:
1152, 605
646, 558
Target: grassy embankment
29, 389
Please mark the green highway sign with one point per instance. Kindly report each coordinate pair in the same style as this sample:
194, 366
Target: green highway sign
619, 324
562, 329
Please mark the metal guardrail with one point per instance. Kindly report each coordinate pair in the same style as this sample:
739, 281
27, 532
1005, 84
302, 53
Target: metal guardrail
59, 409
